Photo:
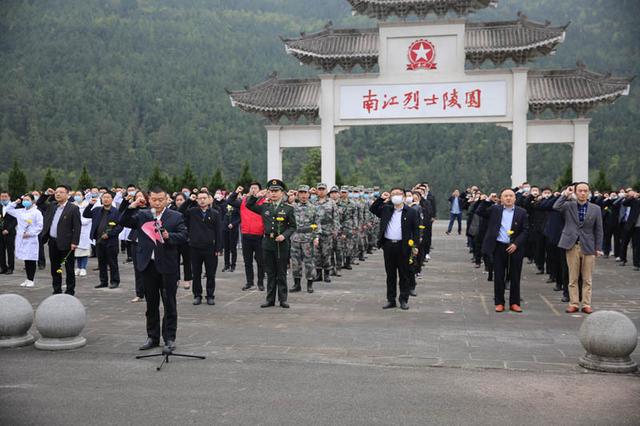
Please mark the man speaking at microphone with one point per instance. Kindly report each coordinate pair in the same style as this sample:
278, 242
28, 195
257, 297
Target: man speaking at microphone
161, 231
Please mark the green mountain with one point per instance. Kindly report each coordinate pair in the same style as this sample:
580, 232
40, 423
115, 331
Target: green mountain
123, 85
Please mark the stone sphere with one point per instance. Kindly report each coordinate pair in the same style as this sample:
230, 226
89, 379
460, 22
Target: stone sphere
60, 319
16, 318
609, 338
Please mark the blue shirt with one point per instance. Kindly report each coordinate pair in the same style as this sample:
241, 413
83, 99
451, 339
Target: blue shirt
582, 211
505, 225
455, 206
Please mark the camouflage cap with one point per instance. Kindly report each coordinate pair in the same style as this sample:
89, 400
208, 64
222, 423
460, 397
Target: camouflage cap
303, 188
344, 188
334, 189
321, 186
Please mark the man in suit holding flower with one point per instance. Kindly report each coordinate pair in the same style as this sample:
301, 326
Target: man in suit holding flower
507, 231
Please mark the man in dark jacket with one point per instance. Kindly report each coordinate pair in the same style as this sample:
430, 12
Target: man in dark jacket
162, 230
8, 225
205, 241
61, 230
231, 227
398, 237
504, 242
105, 228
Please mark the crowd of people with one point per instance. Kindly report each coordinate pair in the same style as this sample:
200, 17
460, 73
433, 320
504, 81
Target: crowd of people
560, 232
313, 234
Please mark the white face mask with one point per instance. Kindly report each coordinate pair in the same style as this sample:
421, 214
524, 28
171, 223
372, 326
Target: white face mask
396, 199
409, 200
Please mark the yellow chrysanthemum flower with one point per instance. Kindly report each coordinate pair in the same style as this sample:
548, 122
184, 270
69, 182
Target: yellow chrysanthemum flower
411, 243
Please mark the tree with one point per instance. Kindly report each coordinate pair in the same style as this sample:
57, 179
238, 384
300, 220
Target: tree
84, 181
339, 181
245, 178
311, 171
188, 179
49, 181
158, 178
602, 184
566, 178
217, 181
17, 181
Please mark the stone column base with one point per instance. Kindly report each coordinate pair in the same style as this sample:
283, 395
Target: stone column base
16, 341
53, 344
606, 364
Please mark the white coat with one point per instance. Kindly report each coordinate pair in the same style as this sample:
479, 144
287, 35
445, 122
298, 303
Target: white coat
29, 221
85, 230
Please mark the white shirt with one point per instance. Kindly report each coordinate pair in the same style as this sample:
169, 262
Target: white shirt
394, 228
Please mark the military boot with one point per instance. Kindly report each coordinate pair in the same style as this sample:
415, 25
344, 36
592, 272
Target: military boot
327, 273
318, 275
347, 263
309, 286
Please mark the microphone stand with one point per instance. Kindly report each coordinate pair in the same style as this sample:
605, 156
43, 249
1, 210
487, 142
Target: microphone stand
166, 353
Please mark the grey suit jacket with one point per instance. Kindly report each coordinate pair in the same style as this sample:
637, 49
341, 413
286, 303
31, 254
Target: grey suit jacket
590, 232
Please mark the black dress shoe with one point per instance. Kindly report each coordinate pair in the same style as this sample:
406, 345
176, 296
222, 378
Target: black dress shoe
404, 306
149, 344
623, 263
413, 293
112, 286
232, 269
551, 280
247, 287
211, 301
101, 286
565, 299
3, 271
197, 300
389, 305
284, 305
267, 305
557, 288
169, 347
260, 287
225, 269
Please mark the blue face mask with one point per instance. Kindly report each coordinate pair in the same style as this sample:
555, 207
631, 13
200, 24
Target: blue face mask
26, 204
376, 194
313, 198
77, 198
366, 196
132, 193
4, 202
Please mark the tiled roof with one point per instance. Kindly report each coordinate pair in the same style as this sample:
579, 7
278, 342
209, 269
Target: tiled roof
519, 40
578, 89
382, 9
559, 90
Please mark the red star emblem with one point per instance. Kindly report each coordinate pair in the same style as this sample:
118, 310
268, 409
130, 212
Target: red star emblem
421, 54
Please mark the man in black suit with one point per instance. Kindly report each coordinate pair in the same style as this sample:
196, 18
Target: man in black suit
398, 237
631, 231
231, 224
504, 242
8, 225
161, 231
61, 230
105, 228
205, 242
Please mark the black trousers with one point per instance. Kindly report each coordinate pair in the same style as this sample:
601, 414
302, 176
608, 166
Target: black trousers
160, 286
7, 252
428, 235
396, 264
139, 280
42, 260
252, 249
185, 252
210, 260
635, 240
55, 258
275, 266
230, 246
539, 254
617, 240
107, 255
606, 241
625, 239
30, 267
501, 261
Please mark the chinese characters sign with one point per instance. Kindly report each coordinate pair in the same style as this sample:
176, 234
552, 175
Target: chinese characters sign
470, 99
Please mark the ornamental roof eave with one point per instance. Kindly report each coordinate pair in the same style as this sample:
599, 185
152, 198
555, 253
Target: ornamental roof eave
382, 9
520, 40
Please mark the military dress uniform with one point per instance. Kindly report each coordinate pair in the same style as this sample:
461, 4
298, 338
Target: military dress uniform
302, 250
278, 219
327, 213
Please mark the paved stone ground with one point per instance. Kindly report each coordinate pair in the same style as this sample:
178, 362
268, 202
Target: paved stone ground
334, 357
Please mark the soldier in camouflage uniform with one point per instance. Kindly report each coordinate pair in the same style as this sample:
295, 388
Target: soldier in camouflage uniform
371, 221
327, 214
304, 240
362, 222
336, 263
346, 213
